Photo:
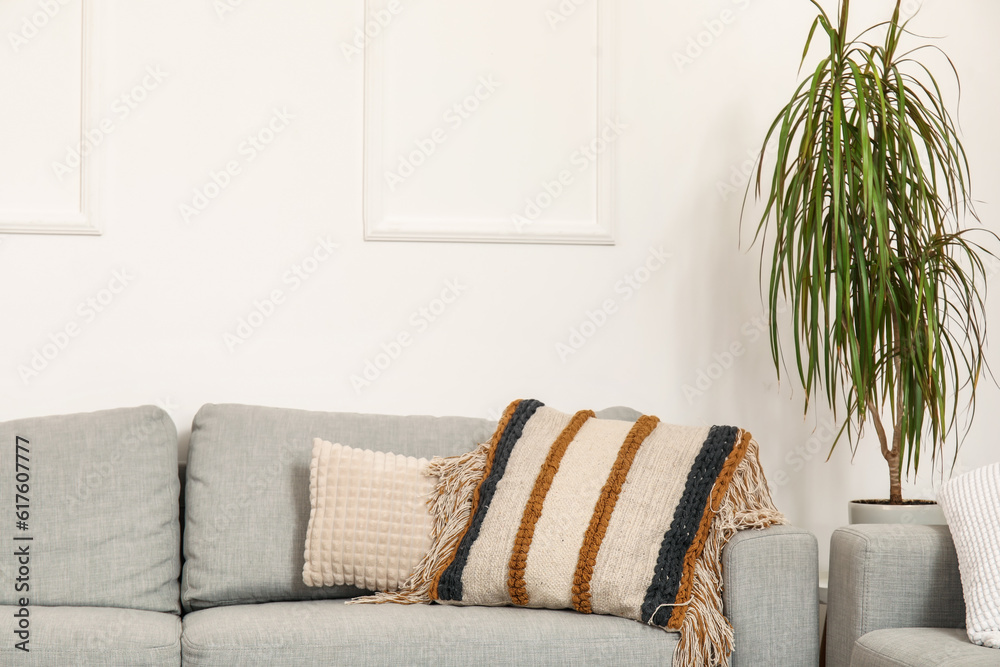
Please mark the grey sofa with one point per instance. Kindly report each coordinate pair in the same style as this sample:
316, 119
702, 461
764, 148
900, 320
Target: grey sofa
109, 587
896, 599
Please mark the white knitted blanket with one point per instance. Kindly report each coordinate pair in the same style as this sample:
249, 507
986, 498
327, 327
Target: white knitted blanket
971, 504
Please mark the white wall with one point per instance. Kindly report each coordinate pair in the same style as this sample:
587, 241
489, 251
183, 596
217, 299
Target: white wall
161, 339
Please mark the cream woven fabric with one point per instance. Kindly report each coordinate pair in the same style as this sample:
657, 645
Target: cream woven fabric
369, 525
597, 515
971, 504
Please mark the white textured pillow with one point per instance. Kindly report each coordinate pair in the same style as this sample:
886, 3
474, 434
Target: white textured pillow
971, 504
369, 525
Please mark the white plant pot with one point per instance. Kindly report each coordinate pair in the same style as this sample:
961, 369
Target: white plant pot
921, 515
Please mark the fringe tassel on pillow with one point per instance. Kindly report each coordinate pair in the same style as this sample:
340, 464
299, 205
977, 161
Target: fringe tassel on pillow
450, 507
706, 636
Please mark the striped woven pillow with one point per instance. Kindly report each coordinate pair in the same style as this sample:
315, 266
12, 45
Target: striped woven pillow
601, 516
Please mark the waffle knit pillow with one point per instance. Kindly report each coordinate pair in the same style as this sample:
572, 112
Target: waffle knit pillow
601, 516
369, 525
971, 504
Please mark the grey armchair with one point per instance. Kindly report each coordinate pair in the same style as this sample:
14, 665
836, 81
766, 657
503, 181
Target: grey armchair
895, 599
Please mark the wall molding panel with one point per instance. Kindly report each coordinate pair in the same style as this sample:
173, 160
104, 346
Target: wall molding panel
499, 130
70, 166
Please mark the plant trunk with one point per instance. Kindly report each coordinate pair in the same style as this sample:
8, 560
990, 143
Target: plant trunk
895, 484
891, 455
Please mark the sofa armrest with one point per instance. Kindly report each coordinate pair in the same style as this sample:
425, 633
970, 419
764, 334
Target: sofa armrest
890, 576
770, 588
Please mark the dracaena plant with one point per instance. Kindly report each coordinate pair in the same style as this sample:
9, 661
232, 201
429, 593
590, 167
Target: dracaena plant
866, 206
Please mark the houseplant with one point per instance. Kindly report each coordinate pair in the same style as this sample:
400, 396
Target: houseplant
866, 204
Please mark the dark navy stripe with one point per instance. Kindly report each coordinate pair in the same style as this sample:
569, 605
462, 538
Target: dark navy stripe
450, 584
687, 519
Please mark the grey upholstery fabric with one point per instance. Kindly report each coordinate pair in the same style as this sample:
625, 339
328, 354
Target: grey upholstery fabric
770, 586
247, 492
103, 505
770, 596
620, 413
247, 509
921, 647
328, 632
890, 576
94, 636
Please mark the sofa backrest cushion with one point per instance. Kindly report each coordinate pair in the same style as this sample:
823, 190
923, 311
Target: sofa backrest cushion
100, 504
247, 493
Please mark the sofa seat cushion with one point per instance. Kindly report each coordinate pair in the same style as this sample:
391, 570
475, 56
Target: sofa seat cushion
327, 632
921, 647
105, 636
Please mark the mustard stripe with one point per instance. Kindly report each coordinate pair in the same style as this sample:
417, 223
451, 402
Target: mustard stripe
603, 510
533, 509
